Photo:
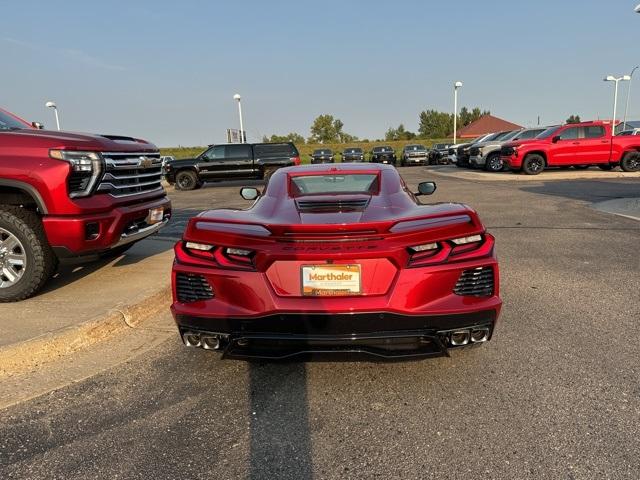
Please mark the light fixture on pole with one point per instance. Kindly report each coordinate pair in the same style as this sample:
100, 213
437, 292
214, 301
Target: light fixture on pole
456, 86
616, 80
626, 107
637, 9
242, 136
55, 110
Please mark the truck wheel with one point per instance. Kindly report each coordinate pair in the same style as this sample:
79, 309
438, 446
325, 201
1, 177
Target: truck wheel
494, 163
533, 164
268, 171
186, 180
630, 162
26, 259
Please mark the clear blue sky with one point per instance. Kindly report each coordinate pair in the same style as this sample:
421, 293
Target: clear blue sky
167, 71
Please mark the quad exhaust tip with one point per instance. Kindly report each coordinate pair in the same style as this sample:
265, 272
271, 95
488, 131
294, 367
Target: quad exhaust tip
192, 339
458, 338
208, 342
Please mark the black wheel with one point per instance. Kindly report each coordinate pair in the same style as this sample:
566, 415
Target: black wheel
186, 180
631, 162
581, 167
605, 167
494, 163
533, 164
26, 259
268, 171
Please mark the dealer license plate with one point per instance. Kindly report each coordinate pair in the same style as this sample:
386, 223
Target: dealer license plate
155, 215
330, 280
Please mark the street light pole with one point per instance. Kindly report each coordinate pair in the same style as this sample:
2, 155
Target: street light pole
626, 107
238, 98
456, 86
55, 111
616, 80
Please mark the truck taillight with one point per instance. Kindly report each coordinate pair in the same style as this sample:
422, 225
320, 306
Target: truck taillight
295, 160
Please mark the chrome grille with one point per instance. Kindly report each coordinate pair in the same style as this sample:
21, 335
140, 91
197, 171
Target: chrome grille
130, 173
476, 283
191, 288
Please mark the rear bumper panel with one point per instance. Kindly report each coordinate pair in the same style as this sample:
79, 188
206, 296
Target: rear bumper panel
372, 334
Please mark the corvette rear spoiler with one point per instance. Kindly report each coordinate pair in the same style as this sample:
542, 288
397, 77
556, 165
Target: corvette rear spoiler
464, 222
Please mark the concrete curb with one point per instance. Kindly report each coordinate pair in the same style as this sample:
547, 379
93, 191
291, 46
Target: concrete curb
24, 356
623, 207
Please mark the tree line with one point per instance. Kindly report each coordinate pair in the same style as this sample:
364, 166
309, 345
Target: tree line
432, 124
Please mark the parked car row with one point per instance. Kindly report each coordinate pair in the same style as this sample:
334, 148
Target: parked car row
415, 154
532, 150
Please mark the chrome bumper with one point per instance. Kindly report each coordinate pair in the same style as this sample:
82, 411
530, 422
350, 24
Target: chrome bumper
141, 233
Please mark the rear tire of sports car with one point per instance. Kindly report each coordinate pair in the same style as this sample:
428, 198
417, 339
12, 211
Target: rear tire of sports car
494, 163
186, 180
630, 162
533, 164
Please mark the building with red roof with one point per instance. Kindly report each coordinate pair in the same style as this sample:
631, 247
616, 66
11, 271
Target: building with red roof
486, 124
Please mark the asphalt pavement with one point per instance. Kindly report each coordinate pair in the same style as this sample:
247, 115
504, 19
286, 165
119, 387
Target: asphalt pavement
554, 395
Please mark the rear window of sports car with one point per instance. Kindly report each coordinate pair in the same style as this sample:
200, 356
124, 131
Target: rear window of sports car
366, 183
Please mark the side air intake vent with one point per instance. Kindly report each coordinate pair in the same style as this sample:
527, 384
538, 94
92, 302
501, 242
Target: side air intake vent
331, 205
476, 283
191, 288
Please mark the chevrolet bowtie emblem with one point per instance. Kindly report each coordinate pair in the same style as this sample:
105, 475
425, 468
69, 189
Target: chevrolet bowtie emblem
145, 162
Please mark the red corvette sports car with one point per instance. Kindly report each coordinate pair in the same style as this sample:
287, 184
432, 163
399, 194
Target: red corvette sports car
336, 259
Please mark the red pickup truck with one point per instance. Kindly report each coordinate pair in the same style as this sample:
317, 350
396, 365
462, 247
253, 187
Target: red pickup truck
578, 144
69, 196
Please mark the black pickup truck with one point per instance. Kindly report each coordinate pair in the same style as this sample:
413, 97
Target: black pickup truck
383, 155
231, 162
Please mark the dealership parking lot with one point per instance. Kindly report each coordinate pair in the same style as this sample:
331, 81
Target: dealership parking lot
555, 394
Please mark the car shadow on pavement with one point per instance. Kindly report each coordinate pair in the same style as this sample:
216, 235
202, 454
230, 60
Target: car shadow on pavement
586, 190
70, 273
280, 436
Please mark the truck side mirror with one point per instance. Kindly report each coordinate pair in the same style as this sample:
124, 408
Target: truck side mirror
249, 193
426, 188
556, 139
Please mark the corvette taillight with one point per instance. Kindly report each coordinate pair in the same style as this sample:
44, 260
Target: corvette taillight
235, 257
203, 254
199, 250
455, 249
